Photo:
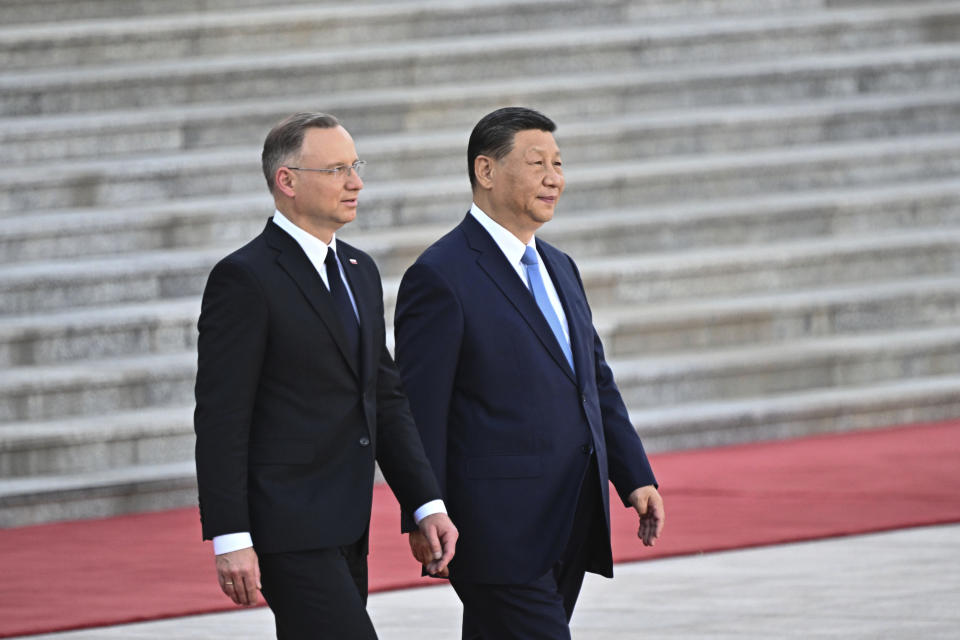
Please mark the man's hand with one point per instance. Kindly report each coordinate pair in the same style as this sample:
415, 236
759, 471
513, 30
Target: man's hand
433, 544
649, 505
238, 573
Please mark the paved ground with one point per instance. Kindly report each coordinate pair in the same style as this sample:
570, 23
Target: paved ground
903, 584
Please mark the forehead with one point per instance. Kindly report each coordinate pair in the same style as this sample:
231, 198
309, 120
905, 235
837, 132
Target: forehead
534, 141
332, 144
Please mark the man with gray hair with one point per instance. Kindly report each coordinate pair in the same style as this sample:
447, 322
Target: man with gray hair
297, 397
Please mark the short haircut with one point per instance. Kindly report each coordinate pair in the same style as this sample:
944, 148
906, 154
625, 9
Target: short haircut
285, 140
494, 135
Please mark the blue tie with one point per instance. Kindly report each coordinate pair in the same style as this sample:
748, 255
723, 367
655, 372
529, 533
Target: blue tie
530, 261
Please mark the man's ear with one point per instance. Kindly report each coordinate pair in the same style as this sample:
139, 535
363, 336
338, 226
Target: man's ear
283, 180
483, 168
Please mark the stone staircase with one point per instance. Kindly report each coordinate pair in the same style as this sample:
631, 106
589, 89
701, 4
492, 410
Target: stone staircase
763, 197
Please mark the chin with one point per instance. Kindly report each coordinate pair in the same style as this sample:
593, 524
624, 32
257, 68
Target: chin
544, 215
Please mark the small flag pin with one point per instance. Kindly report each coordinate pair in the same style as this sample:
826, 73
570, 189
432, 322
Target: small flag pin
353, 261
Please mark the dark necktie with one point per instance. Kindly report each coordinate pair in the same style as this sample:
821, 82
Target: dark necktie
341, 303
539, 291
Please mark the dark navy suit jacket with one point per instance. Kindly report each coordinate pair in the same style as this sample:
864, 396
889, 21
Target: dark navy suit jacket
507, 425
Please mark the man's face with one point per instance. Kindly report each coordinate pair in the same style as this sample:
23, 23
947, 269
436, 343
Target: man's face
528, 181
325, 200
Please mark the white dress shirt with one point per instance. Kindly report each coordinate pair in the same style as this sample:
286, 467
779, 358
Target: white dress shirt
513, 248
316, 250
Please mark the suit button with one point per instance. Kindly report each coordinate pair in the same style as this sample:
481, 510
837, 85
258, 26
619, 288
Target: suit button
587, 449
364, 441
583, 398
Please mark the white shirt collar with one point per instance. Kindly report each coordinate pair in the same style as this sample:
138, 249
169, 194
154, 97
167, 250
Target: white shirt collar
511, 246
314, 247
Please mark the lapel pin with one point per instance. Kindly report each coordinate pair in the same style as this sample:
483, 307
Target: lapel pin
353, 261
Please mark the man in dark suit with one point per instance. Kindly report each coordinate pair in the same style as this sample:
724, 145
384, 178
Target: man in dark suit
517, 409
297, 397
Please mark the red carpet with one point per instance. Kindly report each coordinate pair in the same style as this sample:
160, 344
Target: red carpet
148, 566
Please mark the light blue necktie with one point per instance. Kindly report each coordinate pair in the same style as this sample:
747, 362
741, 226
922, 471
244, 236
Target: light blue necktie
530, 261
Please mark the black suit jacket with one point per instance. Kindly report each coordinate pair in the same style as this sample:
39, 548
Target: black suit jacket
288, 426
506, 423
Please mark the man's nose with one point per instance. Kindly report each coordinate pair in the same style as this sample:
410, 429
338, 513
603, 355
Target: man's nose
354, 181
553, 177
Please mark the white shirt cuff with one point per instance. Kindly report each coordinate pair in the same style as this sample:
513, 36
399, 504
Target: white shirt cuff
432, 507
231, 542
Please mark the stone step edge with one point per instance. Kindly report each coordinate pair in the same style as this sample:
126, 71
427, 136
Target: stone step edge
91, 374
721, 161
611, 318
27, 275
261, 17
831, 348
674, 74
125, 425
452, 140
18, 491
697, 419
53, 222
607, 318
153, 420
748, 413
782, 25
652, 169
432, 94
902, 343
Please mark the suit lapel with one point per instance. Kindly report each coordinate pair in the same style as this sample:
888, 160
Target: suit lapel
492, 261
294, 261
579, 325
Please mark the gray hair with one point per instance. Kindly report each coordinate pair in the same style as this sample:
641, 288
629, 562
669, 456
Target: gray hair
286, 140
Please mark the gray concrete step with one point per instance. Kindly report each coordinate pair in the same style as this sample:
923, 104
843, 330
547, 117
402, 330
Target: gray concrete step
42, 287
27, 500
90, 388
97, 443
908, 401
775, 369
484, 57
187, 36
58, 141
588, 96
55, 11
429, 154
95, 333
96, 387
300, 27
638, 329
717, 323
732, 270
32, 500
736, 271
611, 184
652, 228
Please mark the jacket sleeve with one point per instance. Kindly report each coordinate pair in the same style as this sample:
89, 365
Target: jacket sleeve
629, 467
399, 449
230, 348
428, 328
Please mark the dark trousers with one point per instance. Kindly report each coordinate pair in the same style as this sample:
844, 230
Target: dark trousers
541, 609
318, 594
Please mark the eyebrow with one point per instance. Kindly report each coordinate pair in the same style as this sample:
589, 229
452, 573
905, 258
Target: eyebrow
333, 165
542, 150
